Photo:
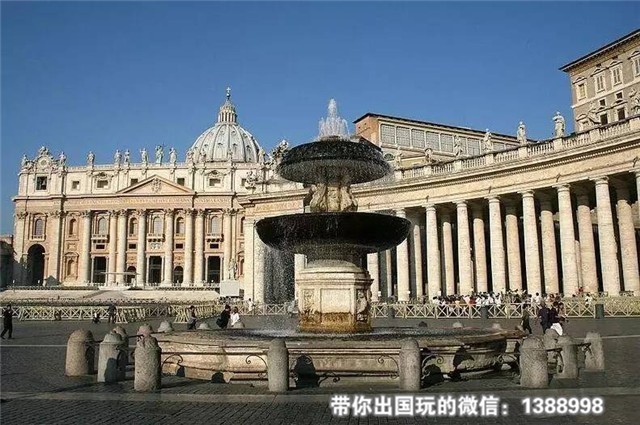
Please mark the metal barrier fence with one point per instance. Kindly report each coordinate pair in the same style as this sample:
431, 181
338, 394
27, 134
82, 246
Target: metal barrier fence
612, 307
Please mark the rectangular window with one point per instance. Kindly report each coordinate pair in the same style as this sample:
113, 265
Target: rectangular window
132, 246
446, 142
616, 75
417, 139
604, 119
582, 91
403, 136
636, 66
602, 102
387, 134
433, 141
179, 246
100, 246
41, 183
133, 181
181, 181
102, 184
214, 182
618, 96
75, 185
599, 79
621, 114
214, 246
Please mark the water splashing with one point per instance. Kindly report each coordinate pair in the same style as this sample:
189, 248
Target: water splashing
333, 125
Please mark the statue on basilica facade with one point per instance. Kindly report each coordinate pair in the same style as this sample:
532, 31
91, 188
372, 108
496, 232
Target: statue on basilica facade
173, 156
189, 158
592, 114
261, 154
457, 146
487, 142
202, 157
117, 157
144, 156
62, 159
428, 155
91, 158
558, 125
636, 106
397, 159
251, 180
521, 134
25, 161
159, 154
233, 269
127, 158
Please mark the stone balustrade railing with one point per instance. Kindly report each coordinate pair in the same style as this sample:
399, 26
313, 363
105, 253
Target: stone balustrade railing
527, 151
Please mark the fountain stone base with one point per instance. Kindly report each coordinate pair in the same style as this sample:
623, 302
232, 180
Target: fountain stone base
334, 297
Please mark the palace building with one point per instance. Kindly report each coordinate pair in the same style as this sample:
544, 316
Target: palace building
489, 211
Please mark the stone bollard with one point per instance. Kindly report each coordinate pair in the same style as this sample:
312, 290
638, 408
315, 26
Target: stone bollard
533, 364
147, 376
125, 338
204, 326
568, 369
550, 339
496, 326
594, 354
112, 358
278, 366
410, 365
458, 325
238, 325
145, 330
80, 354
165, 326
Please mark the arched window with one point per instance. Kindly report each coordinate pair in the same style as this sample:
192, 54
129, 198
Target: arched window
38, 228
102, 226
214, 225
180, 226
133, 226
156, 225
73, 227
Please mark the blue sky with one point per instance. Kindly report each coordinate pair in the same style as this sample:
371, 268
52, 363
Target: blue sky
103, 76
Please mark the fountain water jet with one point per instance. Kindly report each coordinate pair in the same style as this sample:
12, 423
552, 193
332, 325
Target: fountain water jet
334, 289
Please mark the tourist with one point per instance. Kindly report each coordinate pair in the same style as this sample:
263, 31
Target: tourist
543, 315
7, 321
555, 319
191, 323
96, 317
235, 317
111, 311
526, 315
225, 315
250, 305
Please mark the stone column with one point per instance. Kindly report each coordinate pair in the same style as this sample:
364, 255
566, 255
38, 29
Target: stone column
388, 262
198, 259
402, 264
249, 249
433, 252
464, 249
513, 247
498, 274
447, 246
606, 237
227, 238
121, 261
628, 249
549, 258
84, 268
567, 241
19, 266
417, 259
113, 250
374, 272
55, 240
480, 251
258, 283
588, 270
141, 258
188, 247
531, 254
168, 247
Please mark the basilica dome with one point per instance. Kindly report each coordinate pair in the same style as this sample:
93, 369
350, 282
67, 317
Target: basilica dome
226, 139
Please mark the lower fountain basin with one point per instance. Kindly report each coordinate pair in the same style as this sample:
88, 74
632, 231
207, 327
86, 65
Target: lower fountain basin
233, 355
308, 233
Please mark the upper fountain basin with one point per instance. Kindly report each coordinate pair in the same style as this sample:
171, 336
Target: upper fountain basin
332, 159
309, 233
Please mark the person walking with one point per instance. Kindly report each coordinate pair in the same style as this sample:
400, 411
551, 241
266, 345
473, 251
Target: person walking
526, 316
111, 311
191, 324
543, 315
7, 321
225, 316
235, 317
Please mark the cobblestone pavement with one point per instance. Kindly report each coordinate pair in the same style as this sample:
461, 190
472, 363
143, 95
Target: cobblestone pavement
33, 389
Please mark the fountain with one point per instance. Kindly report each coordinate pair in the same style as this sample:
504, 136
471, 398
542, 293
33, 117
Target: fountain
333, 290
335, 337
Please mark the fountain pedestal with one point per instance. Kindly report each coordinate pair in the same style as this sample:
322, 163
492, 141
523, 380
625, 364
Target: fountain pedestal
334, 297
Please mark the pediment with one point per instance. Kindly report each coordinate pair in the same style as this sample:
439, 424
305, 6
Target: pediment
154, 186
